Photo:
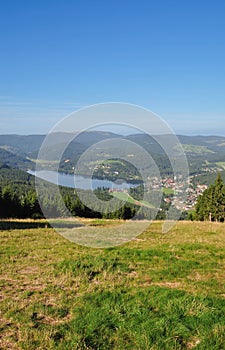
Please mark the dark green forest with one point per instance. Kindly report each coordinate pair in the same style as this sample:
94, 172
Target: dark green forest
18, 199
211, 204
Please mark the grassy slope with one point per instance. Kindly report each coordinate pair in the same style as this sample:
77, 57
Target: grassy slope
127, 198
156, 292
168, 191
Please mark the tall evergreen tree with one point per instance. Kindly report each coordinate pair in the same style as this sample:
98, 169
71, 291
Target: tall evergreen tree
211, 204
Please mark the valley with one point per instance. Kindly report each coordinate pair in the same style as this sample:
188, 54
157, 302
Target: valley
205, 156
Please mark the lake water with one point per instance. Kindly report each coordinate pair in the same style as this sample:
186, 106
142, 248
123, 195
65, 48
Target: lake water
78, 181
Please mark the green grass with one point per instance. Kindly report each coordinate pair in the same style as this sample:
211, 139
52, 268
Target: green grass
196, 149
127, 198
159, 291
167, 190
123, 196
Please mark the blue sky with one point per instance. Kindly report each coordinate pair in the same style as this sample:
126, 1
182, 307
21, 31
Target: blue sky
165, 55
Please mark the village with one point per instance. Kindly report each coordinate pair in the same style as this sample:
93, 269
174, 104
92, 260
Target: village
177, 192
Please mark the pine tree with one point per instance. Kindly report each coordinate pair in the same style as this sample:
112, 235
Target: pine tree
219, 199
211, 204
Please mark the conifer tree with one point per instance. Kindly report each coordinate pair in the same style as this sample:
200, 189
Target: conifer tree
211, 204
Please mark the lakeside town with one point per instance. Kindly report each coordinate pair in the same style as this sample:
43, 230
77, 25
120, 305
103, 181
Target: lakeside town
177, 192
184, 193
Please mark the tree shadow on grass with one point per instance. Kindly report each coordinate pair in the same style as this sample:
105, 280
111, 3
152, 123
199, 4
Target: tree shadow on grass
22, 225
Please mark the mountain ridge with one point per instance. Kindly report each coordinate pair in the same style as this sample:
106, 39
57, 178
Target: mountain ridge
22, 150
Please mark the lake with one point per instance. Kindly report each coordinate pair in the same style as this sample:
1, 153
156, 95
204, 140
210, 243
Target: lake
79, 181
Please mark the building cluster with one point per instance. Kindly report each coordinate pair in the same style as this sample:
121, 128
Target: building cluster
179, 192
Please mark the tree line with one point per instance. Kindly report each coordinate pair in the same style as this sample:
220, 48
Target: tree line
15, 203
211, 204
18, 199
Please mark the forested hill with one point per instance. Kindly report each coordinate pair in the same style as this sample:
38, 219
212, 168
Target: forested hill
204, 153
17, 194
21, 144
15, 177
18, 198
15, 161
25, 145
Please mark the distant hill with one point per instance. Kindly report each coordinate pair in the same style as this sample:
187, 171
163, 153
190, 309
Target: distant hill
204, 153
26, 144
21, 144
212, 143
15, 161
29, 145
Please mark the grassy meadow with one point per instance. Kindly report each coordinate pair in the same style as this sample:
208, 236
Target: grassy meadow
159, 291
